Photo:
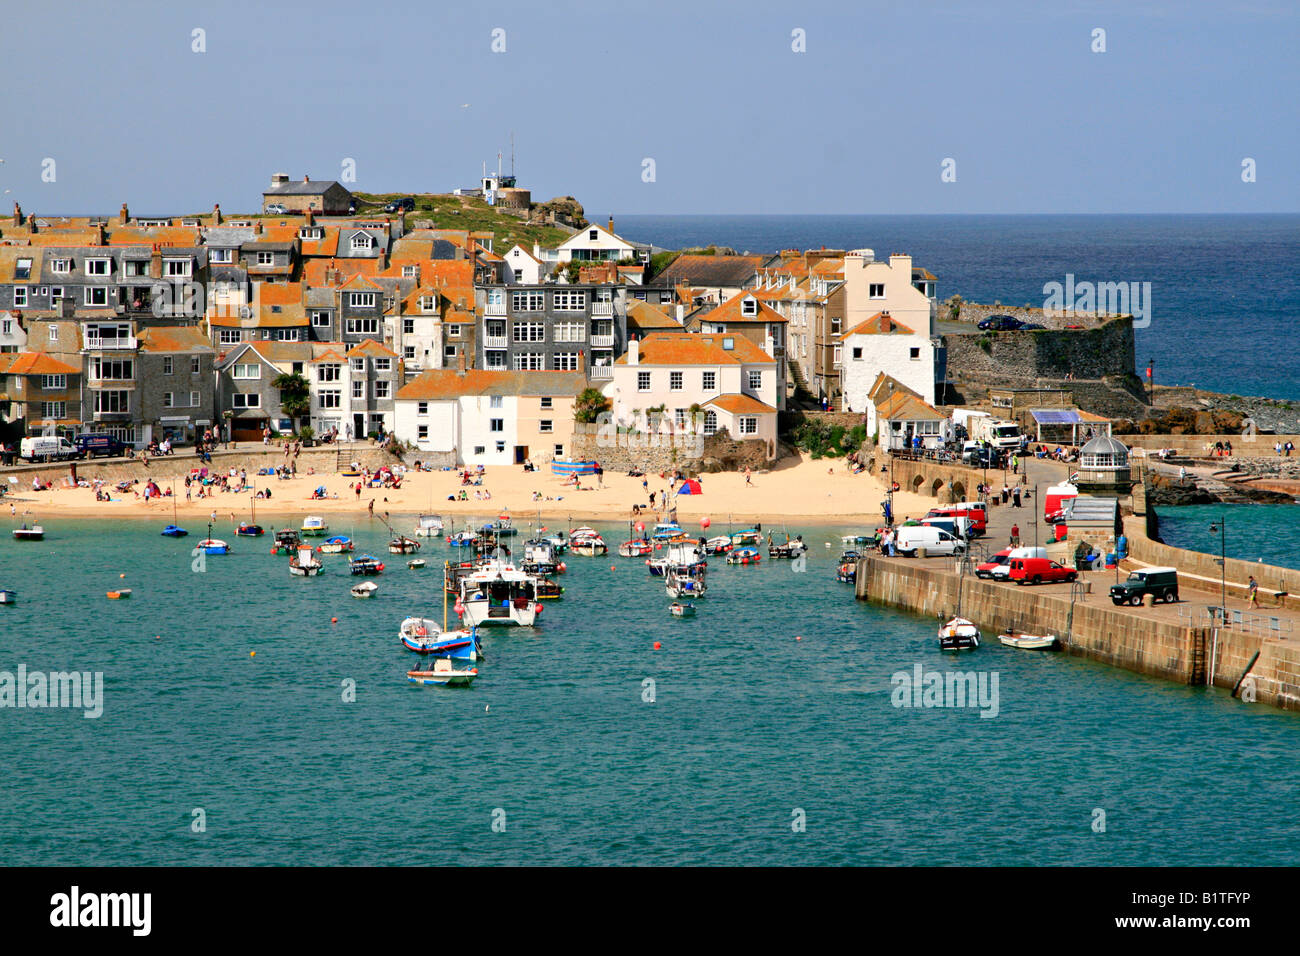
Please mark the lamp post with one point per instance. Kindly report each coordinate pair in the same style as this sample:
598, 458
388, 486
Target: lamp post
1221, 526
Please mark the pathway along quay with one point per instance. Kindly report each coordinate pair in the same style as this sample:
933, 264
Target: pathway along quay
1255, 654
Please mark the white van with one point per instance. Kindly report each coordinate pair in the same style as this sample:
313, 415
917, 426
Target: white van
936, 541
1002, 571
47, 447
956, 525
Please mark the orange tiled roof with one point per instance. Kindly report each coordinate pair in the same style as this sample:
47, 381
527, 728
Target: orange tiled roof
163, 339
738, 404
878, 324
729, 311
34, 363
690, 348
371, 347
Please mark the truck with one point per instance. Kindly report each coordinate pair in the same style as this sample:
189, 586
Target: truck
998, 432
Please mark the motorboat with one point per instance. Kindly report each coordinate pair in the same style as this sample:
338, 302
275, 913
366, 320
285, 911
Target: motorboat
679, 586
540, 557
28, 532
667, 531
428, 526
365, 589
174, 531
959, 634
286, 541
249, 530
211, 545
366, 564
416, 564
463, 539
498, 594
678, 556
587, 541
678, 609
8, 596
558, 541
401, 544
548, 590
314, 526
786, 549
306, 564
847, 570
424, 636
635, 548
744, 554
1028, 642
719, 545
443, 673
335, 544
748, 536
119, 594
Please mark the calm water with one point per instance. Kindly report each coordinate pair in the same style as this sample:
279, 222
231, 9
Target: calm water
747, 725
1225, 288
1252, 532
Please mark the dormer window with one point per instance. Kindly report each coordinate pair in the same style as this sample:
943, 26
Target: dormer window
362, 242
311, 232
748, 307
61, 265
23, 270
178, 267
408, 272
97, 267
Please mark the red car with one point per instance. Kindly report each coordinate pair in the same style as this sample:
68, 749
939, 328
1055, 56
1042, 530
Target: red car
1039, 571
985, 570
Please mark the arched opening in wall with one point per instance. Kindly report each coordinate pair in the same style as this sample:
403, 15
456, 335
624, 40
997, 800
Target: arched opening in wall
936, 487
958, 491
917, 482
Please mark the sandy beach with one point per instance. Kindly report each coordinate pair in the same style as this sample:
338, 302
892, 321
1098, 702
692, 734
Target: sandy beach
797, 490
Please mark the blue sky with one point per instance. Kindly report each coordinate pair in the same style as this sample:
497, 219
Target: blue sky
734, 119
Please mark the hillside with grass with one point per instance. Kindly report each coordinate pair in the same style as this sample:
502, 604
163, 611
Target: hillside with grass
445, 211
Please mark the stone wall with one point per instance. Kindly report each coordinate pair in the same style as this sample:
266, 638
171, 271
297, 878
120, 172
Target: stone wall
976, 312
666, 453
1194, 445
925, 477
1024, 358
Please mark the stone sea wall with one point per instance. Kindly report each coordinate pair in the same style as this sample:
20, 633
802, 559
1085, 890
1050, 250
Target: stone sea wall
1022, 358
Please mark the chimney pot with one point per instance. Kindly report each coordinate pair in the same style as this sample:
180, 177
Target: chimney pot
305, 178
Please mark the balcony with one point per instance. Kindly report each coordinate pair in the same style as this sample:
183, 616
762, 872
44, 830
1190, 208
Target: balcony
602, 308
94, 343
602, 341
495, 342
602, 372
494, 308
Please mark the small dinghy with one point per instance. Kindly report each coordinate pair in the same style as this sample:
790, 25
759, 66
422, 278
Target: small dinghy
314, 526
416, 564
7, 596
635, 548
744, 554
678, 609
365, 589
424, 636
119, 594
1028, 642
337, 544
249, 530
718, 545
959, 634
366, 564
462, 539
306, 564
443, 673
401, 544
213, 546
548, 590
174, 531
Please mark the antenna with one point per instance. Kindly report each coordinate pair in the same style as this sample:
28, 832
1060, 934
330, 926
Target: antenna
512, 154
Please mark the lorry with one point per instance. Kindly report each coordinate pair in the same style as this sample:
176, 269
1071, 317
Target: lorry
998, 432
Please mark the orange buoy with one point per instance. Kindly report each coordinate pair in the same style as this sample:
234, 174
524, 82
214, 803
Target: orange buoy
252, 653
798, 638
334, 620
657, 645
121, 575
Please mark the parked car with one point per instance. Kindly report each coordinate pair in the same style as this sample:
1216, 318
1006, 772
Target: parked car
1000, 323
401, 205
96, 446
277, 209
936, 541
47, 447
982, 457
1161, 582
1039, 571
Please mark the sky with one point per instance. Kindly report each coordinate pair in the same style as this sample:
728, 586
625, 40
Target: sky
118, 102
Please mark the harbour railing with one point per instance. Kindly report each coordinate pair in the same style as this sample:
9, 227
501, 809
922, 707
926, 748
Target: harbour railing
1242, 622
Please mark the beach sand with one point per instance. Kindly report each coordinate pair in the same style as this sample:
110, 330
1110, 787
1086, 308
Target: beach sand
797, 490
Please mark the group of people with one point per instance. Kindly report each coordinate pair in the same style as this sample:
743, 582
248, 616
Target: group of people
1284, 449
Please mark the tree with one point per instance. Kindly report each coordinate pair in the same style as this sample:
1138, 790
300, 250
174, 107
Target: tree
588, 406
295, 394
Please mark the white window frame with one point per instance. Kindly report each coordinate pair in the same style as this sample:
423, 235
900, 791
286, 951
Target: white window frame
643, 381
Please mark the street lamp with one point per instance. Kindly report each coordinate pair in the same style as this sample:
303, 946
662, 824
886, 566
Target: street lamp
1221, 526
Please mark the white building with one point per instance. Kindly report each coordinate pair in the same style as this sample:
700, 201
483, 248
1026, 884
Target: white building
524, 268
880, 345
594, 244
873, 286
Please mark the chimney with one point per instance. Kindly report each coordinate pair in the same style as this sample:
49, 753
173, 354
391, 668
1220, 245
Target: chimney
124, 216
99, 233
216, 214
155, 262
311, 218
306, 178
633, 351
382, 261
681, 314
460, 361
18, 214
611, 224
31, 223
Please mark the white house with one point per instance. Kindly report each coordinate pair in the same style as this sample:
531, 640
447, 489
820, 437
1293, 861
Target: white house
898, 417
524, 268
872, 286
593, 244
879, 345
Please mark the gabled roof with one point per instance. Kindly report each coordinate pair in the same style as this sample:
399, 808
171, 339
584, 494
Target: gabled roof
881, 387
312, 187
878, 324
441, 385
710, 271
738, 404
902, 406
691, 348
644, 317
732, 311
180, 339
373, 348
34, 363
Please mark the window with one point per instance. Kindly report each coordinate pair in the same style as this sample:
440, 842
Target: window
838, 355
383, 389
361, 300
178, 267
6, 326
328, 373
545, 426
530, 361
679, 417
54, 383
421, 432
547, 402
592, 235
835, 323
167, 400
570, 332
383, 365
330, 398
501, 447
710, 382
495, 401
220, 256
876, 290
247, 371
363, 327
358, 365
479, 449
755, 381
408, 272
643, 381
450, 351
96, 295
559, 451
20, 296
857, 352
195, 366
748, 425
675, 381
408, 326
358, 389
54, 333
566, 301
229, 336
112, 402
566, 361
61, 265
97, 267
167, 365
914, 354
495, 360
362, 241
194, 399
748, 307
247, 400
497, 425
320, 320
266, 258
527, 301
118, 369
529, 332
56, 292
54, 410
710, 422
421, 408
453, 331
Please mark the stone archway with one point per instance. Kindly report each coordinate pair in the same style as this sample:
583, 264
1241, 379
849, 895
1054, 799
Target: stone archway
936, 487
917, 482
958, 491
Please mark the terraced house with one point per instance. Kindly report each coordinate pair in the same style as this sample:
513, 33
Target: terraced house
39, 394
551, 327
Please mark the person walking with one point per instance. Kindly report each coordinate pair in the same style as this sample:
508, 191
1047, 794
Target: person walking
1252, 591
1015, 536
1015, 497
749, 479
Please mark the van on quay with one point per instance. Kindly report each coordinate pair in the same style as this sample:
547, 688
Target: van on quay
1038, 571
98, 445
46, 448
973, 511
936, 541
956, 525
1002, 571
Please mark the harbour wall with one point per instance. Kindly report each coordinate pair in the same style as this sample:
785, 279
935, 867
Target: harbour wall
1243, 446
924, 476
1021, 358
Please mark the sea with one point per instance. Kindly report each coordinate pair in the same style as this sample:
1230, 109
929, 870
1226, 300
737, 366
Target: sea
1225, 289
249, 717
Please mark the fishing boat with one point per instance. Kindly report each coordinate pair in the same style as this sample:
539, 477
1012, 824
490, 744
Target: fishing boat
306, 564
211, 545
454, 573
847, 570
365, 589
1028, 642
587, 541
502, 527
678, 609
174, 530
424, 636
557, 540
959, 634
335, 544
679, 586
119, 594
499, 594
719, 545
416, 564
547, 590
428, 526
667, 531
403, 545
443, 673
286, 541
463, 539
683, 555
852, 542
366, 564
746, 554
250, 528
786, 549
539, 557
8, 596
314, 526
28, 532
748, 536
635, 548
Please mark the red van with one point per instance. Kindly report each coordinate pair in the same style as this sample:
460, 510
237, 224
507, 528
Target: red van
973, 511
1039, 571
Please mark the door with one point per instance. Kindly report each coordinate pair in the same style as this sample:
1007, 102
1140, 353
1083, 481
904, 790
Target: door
358, 426
521, 454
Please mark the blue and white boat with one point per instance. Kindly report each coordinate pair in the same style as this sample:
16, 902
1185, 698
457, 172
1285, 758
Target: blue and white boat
174, 531
462, 539
8, 596
424, 636
336, 544
211, 545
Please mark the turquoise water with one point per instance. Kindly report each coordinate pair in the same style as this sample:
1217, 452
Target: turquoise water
1253, 532
747, 725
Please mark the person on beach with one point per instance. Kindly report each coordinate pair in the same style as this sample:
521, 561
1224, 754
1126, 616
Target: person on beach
1015, 497
749, 478
1252, 592
1015, 535
371, 507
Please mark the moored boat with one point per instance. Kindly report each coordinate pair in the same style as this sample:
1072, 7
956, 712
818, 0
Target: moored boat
365, 589
1028, 642
787, 548
424, 636
548, 590
174, 531
748, 536
8, 596
635, 548
463, 539
540, 557
286, 541
314, 526
587, 541
211, 545
366, 564
249, 530
401, 544
499, 594
719, 545
119, 594
684, 586
678, 609
29, 532
428, 526
443, 673
306, 564
746, 554
335, 544
959, 634
416, 564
